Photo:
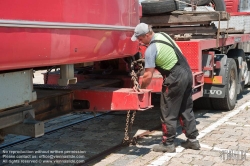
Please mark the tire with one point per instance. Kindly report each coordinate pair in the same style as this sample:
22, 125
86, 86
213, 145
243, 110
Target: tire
247, 81
203, 103
200, 2
219, 5
243, 72
153, 7
228, 103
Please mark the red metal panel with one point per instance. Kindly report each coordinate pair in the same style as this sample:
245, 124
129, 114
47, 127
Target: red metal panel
35, 47
112, 12
232, 5
156, 82
212, 43
114, 99
198, 83
27, 48
191, 50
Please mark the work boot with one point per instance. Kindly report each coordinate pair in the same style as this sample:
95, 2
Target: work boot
191, 144
170, 148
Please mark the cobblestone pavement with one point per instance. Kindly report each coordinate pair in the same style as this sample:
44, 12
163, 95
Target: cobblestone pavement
224, 138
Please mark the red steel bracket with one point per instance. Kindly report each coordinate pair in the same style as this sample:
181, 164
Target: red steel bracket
114, 99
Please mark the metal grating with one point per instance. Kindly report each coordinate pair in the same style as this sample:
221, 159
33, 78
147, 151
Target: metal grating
192, 52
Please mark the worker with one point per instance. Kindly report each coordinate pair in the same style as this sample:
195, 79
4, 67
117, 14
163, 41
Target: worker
176, 101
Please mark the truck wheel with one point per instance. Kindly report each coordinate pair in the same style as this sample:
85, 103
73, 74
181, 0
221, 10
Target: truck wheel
203, 103
152, 7
247, 81
243, 72
219, 5
228, 103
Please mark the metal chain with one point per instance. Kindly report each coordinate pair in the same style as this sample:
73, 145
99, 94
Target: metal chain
132, 118
134, 75
126, 137
129, 123
136, 86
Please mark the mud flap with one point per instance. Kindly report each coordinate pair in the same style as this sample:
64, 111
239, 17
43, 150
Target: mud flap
214, 91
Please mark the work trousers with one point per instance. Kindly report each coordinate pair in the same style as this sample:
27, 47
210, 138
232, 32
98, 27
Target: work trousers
177, 104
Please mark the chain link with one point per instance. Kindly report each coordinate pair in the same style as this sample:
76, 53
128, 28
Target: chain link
126, 137
138, 64
132, 118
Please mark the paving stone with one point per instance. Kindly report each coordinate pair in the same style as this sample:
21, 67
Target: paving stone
193, 156
231, 143
202, 162
247, 137
246, 163
218, 132
210, 153
233, 162
221, 146
191, 151
209, 139
205, 147
209, 142
228, 139
236, 133
222, 164
172, 162
216, 136
243, 148
144, 160
111, 158
240, 128
231, 123
175, 164
233, 147
182, 159
244, 144
243, 140
124, 160
213, 158
237, 137
200, 127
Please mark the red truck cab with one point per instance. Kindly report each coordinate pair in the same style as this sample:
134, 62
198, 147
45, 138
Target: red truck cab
232, 5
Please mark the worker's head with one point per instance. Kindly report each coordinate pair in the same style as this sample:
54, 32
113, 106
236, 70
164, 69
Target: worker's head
143, 33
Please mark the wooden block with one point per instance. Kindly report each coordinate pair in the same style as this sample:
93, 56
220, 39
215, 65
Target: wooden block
186, 18
187, 29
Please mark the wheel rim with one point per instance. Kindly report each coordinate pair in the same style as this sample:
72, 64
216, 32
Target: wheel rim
232, 84
245, 72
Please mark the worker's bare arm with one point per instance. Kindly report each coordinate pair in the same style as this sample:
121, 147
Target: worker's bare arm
147, 77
